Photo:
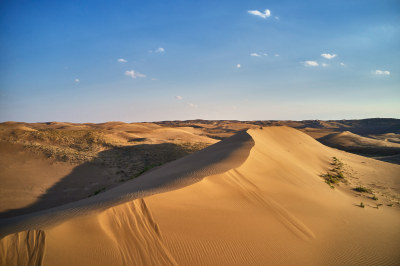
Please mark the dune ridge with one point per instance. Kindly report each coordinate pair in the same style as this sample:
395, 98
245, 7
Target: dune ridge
182, 172
255, 198
277, 205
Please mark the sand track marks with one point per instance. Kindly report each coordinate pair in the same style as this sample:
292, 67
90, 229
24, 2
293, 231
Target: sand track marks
136, 235
23, 248
254, 194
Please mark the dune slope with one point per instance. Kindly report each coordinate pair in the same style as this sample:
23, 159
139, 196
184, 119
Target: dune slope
354, 143
256, 198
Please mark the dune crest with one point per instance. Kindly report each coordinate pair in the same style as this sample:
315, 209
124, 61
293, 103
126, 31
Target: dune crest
255, 198
215, 159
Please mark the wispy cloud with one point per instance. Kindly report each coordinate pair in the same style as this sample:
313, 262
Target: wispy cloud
134, 74
324, 64
311, 63
178, 97
258, 54
382, 72
342, 64
265, 14
121, 60
238, 65
277, 55
328, 56
159, 50
77, 80
192, 105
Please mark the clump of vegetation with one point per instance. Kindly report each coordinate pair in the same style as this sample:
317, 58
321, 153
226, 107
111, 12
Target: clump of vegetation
335, 175
374, 197
146, 168
338, 165
74, 146
98, 191
390, 205
81, 140
331, 179
361, 189
362, 205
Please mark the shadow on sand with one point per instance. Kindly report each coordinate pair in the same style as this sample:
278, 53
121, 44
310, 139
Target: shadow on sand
111, 168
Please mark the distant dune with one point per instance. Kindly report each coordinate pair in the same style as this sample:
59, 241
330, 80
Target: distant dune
257, 198
347, 141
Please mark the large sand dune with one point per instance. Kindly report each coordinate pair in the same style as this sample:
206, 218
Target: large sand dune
254, 198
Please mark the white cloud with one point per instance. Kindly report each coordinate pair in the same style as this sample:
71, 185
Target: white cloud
154, 79
265, 14
121, 60
324, 65
258, 54
77, 80
342, 64
277, 55
311, 63
276, 17
238, 65
159, 50
134, 74
192, 105
328, 56
178, 97
382, 72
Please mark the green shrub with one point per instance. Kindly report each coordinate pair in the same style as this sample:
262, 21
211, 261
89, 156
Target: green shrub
335, 175
361, 189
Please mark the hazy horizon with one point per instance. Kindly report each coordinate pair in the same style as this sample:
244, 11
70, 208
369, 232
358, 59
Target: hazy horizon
148, 61
199, 119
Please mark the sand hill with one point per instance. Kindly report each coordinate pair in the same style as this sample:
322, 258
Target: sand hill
348, 141
257, 198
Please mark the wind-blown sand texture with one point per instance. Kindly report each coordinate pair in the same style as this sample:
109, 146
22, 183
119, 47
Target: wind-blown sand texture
256, 198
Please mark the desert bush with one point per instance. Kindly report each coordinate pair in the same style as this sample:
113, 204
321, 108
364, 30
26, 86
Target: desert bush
361, 189
335, 175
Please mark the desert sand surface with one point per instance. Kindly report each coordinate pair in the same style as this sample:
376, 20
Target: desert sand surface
265, 196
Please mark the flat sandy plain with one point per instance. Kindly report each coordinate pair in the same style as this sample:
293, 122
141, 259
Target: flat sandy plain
260, 193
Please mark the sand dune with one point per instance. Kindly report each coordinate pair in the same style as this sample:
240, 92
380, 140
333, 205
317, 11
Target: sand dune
350, 140
256, 198
391, 137
376, 148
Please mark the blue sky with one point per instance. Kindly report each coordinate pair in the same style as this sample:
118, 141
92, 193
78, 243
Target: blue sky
96, 61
